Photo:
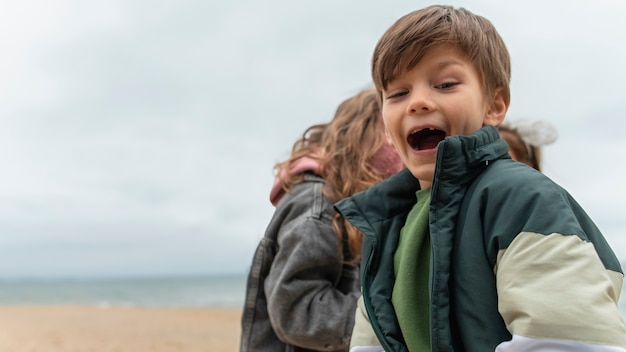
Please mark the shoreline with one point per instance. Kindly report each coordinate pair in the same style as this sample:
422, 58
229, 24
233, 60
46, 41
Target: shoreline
56, 328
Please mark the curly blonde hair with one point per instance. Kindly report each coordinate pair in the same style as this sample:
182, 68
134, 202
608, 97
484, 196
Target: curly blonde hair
345, 148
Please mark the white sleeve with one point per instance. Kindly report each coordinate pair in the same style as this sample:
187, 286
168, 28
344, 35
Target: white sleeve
367, 349
525, 344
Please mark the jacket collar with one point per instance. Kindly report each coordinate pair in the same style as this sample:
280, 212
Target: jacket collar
459, 160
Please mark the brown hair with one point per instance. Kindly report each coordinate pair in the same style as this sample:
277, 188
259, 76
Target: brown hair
525, 138
404, 44
519, 150
346, 148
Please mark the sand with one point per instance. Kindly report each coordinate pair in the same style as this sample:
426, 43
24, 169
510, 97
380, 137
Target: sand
118, 329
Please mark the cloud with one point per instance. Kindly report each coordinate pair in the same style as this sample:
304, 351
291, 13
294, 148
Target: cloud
140, 137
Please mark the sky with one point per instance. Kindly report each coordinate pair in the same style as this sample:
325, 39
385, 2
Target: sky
138, 137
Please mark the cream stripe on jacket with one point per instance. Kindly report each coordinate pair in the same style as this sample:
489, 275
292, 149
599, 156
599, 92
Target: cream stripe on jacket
554, 287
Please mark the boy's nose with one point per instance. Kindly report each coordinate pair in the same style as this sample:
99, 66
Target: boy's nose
420, 102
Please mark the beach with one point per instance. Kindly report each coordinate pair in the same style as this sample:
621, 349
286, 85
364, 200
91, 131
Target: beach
78, 328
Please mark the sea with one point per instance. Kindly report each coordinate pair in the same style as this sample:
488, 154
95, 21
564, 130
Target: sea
224, 291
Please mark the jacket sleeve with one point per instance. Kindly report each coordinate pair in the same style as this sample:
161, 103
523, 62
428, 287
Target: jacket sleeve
363, 337
558, 282
555, 294
307, 303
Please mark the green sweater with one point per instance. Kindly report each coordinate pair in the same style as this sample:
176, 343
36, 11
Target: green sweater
411, 265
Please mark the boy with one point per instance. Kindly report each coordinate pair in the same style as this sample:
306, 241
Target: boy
468, 250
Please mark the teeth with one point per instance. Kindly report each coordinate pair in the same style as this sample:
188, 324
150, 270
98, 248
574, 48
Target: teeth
428, 128
424, 129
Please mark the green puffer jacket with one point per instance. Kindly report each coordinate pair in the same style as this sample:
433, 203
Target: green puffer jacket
513, 255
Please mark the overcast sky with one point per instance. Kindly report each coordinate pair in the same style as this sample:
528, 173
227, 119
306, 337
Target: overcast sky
138, 137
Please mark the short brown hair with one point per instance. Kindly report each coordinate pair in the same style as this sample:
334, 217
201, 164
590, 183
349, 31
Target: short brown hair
404, 44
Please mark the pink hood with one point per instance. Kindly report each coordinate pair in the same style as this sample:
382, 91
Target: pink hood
298, 166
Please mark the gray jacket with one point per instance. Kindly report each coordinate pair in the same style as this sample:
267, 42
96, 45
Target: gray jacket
300, 296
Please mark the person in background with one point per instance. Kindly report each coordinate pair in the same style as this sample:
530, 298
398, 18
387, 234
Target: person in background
525, 138
467, 249
304, 282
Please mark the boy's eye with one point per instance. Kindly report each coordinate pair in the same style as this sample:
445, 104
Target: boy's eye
396, 94
446, 85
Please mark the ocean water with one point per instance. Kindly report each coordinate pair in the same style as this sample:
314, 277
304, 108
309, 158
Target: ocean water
197, 291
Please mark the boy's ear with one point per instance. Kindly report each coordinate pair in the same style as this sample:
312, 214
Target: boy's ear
497, 110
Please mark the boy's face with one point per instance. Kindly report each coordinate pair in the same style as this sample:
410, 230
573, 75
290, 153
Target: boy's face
441, 96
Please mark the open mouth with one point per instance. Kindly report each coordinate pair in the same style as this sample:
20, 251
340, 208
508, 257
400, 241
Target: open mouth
427, 138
